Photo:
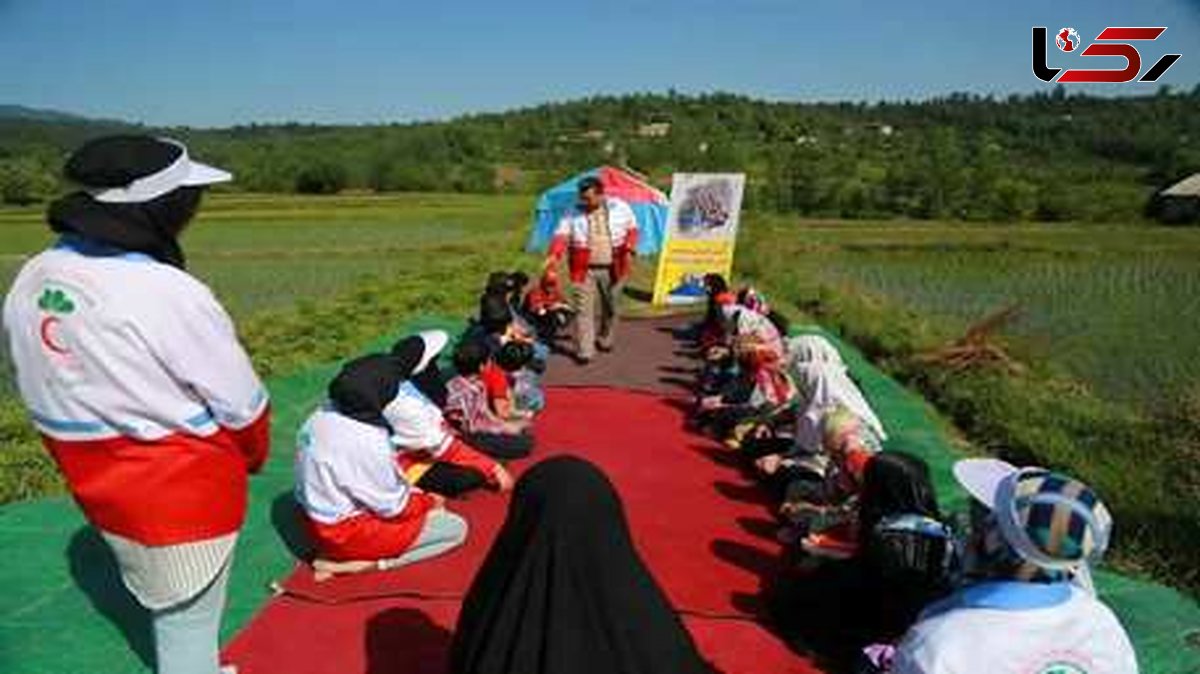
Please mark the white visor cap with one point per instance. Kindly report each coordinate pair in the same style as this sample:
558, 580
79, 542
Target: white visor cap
434, 341
183, 172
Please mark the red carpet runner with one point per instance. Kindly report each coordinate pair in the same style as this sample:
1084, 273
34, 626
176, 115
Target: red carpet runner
701, 526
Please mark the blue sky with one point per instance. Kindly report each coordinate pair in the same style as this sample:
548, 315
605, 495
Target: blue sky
220, 62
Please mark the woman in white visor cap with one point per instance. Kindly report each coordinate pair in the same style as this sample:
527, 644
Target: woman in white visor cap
133, 375
1028, 607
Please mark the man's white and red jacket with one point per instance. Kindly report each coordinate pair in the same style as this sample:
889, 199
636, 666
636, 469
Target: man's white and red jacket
572, 237
135, 378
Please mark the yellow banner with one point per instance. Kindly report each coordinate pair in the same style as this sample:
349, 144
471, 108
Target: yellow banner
700, 235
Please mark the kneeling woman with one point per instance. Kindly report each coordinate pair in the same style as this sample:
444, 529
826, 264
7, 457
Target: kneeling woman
361, 509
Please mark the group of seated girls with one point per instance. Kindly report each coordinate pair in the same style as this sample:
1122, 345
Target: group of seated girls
877, 579
396, 437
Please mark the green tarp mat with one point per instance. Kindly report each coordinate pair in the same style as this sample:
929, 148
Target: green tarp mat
63, 609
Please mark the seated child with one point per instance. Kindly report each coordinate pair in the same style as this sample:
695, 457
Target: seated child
517, 360
493, 323
499, 324
547, 307
824, 383
762, 390
522, 328
468, 408
367, 461
712, 330
1028, 605
826, 516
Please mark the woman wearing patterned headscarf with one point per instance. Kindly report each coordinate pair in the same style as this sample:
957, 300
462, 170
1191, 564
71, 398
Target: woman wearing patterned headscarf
1030, 606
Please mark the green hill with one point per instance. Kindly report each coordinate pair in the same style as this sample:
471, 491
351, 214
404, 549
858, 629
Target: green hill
1046, 156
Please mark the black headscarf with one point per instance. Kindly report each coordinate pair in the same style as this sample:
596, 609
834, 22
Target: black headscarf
150, 227
430, 379
366, 385
495, 313
563, 590
911, 562
842, 606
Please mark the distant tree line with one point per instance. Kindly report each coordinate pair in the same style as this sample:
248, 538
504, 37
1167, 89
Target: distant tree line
1048, 156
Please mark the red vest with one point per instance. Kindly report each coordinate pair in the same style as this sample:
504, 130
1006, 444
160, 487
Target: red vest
177, 489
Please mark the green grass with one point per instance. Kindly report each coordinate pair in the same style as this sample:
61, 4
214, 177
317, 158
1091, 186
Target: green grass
307, 280
1107, 334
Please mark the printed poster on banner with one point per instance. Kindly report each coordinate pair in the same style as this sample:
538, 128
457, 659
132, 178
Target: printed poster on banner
700, 235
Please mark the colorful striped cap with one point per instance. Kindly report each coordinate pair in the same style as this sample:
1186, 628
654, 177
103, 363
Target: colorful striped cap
1050, 520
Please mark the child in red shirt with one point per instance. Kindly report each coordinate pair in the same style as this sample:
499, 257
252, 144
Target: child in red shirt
547, 307
469, 408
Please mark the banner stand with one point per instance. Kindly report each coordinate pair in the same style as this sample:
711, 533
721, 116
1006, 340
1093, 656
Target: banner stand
700, 235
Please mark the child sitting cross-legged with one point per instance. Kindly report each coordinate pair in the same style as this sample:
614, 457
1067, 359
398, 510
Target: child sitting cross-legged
795, 466
369, 459
469, 409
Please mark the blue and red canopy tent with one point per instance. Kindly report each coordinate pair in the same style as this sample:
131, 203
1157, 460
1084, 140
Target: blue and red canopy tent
649, 205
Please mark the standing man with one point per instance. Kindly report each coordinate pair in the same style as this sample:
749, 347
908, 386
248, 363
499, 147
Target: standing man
600, 235
134, 376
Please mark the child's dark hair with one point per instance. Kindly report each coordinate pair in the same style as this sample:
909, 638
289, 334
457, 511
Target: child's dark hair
495, 313
715, 284
895, 483
469, 356
514, 355
498, 283
781, 322
518, 280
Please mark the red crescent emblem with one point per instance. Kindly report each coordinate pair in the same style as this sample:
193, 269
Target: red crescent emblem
49, 334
